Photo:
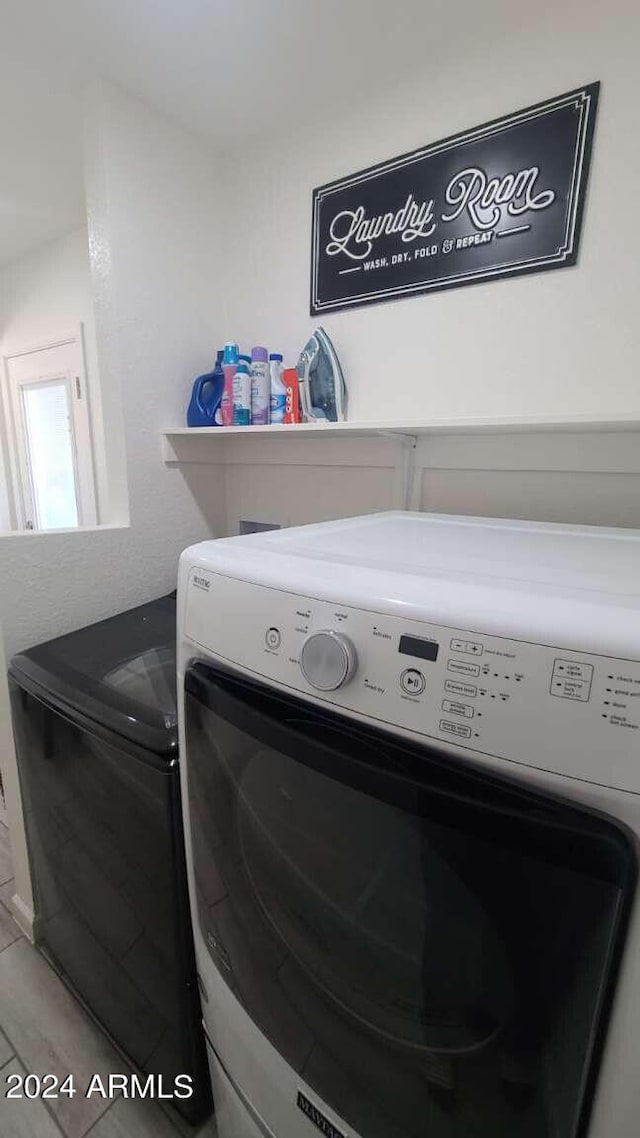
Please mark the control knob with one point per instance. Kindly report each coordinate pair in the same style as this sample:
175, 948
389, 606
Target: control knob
328, 660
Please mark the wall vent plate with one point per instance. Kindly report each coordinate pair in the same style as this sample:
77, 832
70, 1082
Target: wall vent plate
256, 527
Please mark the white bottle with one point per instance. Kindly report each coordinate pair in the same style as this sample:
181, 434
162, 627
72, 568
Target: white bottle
242, 397
278, 388
260, 386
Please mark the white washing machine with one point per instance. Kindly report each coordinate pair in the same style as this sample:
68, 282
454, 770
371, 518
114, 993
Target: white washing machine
411, 790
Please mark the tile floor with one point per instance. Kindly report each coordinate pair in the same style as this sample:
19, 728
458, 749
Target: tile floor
44, 1029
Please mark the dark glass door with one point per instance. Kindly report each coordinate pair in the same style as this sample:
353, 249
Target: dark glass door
433, 950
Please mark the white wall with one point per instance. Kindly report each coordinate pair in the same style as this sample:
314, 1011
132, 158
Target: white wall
558, 342
6, 506
152, 237
43, 294
40, 144
153, 222
6, 518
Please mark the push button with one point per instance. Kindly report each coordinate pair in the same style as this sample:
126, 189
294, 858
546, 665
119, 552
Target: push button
456, 687
571, 680
412, 681
463, 667
273, 638
469, 647
573, 670
460, 730
456, 708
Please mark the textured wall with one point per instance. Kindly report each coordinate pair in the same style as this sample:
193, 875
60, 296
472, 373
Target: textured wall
152, 230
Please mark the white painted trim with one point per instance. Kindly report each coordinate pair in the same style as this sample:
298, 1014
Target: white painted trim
54, 533
11, 351
220, 436
23, 916
82, 433
583, 450
16, 505
557, 454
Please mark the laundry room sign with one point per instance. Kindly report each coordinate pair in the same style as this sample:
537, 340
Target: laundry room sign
501, 199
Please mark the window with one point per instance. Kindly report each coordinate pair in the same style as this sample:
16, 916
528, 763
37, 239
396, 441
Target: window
51, 481
49, 439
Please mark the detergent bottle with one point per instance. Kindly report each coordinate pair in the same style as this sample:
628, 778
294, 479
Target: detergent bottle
242, 396
204, 405
230, 361
278, 389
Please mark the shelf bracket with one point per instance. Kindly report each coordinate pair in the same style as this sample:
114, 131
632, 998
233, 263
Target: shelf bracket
404, 470
398, 436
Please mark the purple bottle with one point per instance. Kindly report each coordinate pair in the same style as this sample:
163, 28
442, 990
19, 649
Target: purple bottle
260, 387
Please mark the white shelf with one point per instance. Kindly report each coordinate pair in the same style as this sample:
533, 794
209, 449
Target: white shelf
410, 429
574, 459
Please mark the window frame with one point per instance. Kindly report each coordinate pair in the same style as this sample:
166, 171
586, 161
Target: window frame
22, 502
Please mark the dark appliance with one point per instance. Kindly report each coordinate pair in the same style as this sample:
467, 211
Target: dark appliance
96, 733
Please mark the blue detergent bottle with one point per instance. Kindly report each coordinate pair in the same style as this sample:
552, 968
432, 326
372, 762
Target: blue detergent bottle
204, 405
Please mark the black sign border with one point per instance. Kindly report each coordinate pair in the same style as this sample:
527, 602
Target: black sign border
586, 99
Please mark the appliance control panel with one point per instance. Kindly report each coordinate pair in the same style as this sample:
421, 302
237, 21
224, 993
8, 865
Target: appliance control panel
542, 705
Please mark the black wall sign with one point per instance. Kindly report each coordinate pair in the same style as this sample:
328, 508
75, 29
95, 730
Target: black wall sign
502, 199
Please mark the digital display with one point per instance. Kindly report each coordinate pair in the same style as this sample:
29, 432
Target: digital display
416, 646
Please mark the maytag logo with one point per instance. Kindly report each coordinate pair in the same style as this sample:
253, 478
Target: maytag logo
201, 582
317, 1117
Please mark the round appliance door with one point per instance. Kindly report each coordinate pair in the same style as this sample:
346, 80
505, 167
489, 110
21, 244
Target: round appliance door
428, 948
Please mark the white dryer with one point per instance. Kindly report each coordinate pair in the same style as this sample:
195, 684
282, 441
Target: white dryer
411, 763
